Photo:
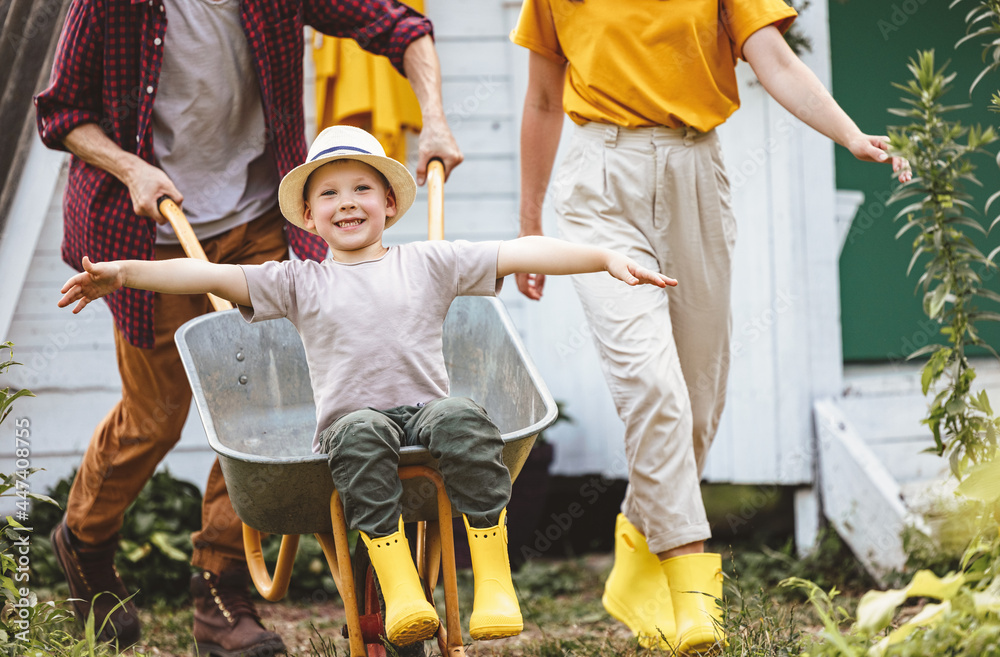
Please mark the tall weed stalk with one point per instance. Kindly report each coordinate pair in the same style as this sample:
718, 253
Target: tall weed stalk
964, 623
940, 151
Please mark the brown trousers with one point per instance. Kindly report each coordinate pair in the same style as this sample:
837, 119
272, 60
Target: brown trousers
135, 436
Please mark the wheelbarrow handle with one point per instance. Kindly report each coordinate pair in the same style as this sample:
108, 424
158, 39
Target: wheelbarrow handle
189, 241
435, 200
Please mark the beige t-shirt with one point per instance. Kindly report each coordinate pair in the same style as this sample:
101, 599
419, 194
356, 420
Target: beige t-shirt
372, 331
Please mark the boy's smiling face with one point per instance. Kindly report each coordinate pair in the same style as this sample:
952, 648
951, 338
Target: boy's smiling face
347, 203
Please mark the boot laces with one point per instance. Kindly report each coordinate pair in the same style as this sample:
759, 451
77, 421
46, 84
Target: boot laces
98, 572
234, 597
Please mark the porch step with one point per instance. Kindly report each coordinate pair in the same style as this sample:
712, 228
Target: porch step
876, 474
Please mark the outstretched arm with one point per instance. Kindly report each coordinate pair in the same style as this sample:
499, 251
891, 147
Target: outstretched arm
545, 255
797, 89
177, 276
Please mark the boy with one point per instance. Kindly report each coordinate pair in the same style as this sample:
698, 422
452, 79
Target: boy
370, 318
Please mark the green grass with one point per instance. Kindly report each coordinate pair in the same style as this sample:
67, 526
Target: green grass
561, 604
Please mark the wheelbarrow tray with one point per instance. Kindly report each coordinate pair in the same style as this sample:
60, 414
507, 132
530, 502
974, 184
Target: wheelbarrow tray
251, 387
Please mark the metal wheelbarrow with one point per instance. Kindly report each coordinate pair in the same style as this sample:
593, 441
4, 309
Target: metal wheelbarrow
251, 387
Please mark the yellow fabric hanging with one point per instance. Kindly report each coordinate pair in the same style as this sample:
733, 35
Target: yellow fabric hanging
354, 87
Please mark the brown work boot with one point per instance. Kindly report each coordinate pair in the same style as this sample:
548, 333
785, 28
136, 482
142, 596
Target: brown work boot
226, 624
90, 571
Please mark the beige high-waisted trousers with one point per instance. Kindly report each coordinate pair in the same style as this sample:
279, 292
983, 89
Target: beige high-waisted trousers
662, 197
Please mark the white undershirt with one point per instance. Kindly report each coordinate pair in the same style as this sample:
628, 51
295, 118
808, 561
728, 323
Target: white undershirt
208, 121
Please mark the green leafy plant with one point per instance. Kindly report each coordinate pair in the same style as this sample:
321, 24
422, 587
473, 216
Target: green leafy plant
25, 624
156, 537
833, 642
154, 542
983, 22
155, 545
958, 619
961, 620
29, 628
7, 397
939, 152
830, 564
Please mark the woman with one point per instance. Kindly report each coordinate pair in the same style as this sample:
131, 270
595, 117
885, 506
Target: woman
646, 83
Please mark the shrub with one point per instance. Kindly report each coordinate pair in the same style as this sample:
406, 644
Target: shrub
154, 546
27, 628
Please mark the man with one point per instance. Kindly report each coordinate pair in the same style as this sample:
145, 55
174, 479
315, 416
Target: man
208, 112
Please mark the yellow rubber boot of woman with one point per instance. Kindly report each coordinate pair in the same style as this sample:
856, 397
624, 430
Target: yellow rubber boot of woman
696, 587
637, 592
408, 616
495, 612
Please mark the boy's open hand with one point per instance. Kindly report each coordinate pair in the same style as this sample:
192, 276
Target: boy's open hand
629, 271
95, 281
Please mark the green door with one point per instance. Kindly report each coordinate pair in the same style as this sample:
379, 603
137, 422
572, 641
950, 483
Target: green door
871, 42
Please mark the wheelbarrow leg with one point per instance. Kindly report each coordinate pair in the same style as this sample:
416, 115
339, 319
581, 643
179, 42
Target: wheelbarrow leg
431, 570
272, 590
429, 553
419, 550
450, 640
329, 546
338, 556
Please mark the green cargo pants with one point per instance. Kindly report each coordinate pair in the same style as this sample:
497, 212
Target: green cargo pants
363, 451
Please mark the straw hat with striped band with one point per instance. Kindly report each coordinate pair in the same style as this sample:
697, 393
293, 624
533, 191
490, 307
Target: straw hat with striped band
344, 142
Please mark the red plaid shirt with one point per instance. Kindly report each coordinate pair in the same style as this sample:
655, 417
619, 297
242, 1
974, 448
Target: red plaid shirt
106, 72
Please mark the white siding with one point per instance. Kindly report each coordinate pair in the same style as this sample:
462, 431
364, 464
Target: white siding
785, 299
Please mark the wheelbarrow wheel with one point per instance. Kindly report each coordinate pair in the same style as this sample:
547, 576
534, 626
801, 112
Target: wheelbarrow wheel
371, 607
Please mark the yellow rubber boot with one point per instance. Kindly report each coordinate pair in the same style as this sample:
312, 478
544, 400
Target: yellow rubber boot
637, 592
696, 587
495, 612
408, 616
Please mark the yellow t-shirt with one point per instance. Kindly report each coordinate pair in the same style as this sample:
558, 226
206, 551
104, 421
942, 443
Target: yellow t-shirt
639, 63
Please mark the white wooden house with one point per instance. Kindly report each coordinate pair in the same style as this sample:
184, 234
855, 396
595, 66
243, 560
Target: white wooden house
787, 345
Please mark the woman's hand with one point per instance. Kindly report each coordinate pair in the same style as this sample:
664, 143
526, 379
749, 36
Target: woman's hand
797, 89
869, 148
